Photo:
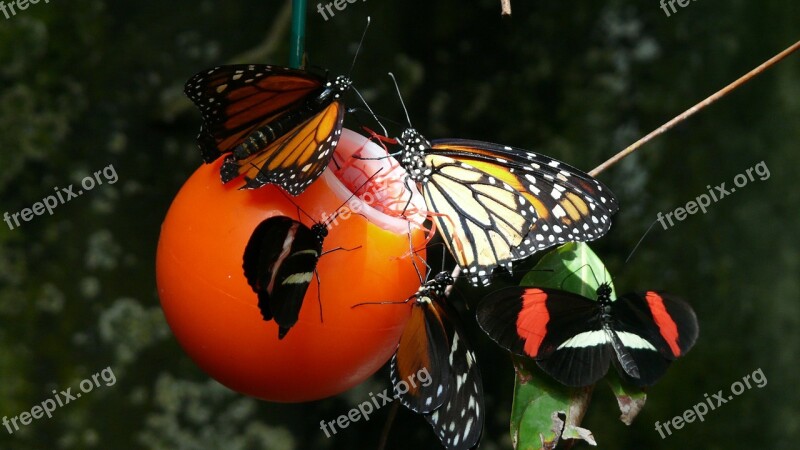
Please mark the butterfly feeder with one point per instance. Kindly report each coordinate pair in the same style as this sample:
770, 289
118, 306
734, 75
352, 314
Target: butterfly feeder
214, 313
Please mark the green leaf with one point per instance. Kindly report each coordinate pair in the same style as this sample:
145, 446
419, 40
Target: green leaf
630, 398
572, 267
545, 411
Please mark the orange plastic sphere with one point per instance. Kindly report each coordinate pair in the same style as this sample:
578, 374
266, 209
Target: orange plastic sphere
213, 311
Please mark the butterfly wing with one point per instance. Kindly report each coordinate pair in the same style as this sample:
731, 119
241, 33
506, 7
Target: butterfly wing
297, 158
482, 219
235, 100
423, 348
279, 262
559, 329
459, 421
570, 205
279, 125
660, 328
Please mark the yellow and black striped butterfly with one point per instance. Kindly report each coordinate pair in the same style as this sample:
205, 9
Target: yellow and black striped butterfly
494, 204
276, 125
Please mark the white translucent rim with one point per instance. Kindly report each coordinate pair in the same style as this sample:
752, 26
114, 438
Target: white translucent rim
351, 142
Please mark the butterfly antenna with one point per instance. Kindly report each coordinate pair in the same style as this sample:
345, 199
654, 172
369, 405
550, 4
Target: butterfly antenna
400, 96
640, 241
414, 254
298, 206
335, 214
378, 116
576, 272
374, 116
358, 49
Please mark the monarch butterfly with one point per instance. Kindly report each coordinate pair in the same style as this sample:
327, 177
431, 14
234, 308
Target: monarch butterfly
433, 343
574, 339
276, 125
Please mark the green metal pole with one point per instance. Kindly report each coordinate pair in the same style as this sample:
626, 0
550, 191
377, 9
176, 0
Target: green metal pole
297, 45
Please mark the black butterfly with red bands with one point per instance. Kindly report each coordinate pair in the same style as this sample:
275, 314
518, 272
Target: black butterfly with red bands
575, 339
275, 124
433, 341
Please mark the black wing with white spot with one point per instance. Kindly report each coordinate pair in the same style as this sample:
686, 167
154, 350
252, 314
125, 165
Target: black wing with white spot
482, 219
279, 261
419, 370
459, 421
570, 204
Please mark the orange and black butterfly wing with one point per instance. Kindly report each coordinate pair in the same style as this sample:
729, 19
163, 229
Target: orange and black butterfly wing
297, 158
423, 349
277, 125
459, 421
235, 100
570, 205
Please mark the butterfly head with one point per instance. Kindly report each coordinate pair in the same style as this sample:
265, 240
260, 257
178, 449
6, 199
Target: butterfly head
320, 231
340, 85
434, 288
412, 156
604, 293
443, 279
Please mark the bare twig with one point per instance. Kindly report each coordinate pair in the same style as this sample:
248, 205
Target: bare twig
388, 426
691, 111
261, 52
455, 274
505, 7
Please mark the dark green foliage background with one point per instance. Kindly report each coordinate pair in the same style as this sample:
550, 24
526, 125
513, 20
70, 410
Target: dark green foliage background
88, 83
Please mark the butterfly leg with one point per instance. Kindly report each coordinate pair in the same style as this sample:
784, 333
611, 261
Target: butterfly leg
319, 296
339, 248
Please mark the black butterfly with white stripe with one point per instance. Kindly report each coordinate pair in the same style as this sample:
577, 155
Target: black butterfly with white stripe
279, 261
433, 341
575, 339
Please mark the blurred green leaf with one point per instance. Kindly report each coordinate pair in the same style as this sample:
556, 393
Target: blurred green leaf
572, 267
630, 398
545, 411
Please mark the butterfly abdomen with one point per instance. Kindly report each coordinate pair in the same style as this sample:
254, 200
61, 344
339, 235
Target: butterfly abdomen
274, 129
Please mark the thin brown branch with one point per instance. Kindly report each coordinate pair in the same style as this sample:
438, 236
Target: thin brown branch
261, 52
455, 274
505, 7
694, 109
388, 426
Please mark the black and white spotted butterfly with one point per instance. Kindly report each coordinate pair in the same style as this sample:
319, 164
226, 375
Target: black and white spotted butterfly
433, 344
494, 204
